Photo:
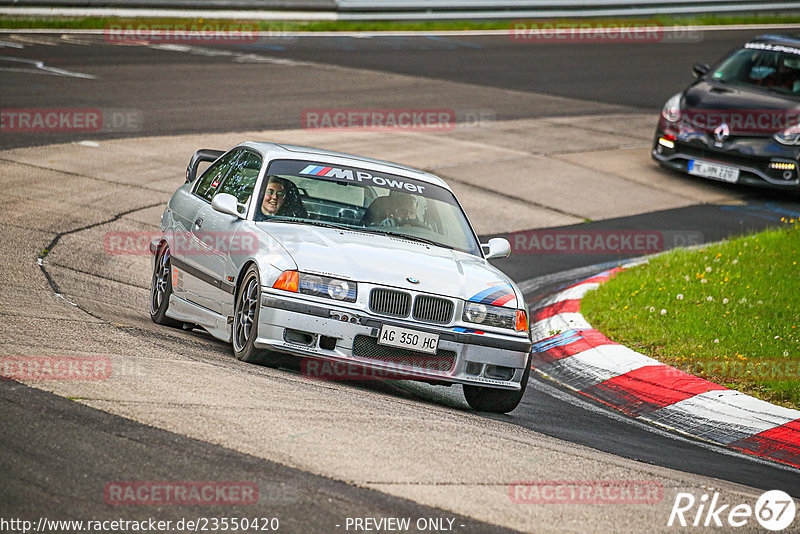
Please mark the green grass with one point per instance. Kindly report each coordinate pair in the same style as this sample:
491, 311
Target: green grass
728, 312
22, 22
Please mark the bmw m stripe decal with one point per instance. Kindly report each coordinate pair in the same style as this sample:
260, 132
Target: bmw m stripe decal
461, 330
316, 170
493, 295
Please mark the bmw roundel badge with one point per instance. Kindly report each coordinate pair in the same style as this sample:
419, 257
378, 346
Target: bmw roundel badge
412, 280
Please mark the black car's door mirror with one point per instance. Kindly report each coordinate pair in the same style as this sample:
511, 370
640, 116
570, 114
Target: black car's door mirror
700, 69
205, 154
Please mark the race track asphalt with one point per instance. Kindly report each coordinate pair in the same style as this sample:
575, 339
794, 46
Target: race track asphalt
194, 90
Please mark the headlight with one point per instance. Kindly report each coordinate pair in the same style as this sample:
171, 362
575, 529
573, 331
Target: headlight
790, 136
325, 286
672, 109
474, 313
498, 316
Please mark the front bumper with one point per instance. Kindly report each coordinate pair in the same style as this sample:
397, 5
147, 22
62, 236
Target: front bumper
753, 156
349, 336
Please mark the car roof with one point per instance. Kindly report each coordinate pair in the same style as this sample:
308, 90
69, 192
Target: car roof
284, 151
790, 40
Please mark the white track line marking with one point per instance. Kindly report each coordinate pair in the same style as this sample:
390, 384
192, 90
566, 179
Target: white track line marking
40, 68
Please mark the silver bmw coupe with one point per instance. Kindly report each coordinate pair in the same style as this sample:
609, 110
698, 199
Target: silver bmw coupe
340, 260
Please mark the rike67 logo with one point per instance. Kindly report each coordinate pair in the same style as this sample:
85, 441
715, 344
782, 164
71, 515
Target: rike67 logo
774, 510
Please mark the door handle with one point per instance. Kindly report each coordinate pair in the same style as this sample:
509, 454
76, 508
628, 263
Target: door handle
198, 223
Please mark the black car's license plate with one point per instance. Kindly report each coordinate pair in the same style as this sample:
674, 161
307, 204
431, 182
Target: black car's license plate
714, 171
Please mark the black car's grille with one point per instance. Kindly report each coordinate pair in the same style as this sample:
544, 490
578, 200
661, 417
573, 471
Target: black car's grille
433, 310
730, 157
390, 302
403, 359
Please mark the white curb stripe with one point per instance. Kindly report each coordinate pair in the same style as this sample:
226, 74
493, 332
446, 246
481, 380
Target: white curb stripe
558, 323
723, 416
596, 365
572, 293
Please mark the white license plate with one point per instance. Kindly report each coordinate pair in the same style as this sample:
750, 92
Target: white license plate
713, 171
404, 338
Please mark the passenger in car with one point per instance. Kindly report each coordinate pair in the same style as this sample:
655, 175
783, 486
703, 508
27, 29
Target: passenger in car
281, 197
391, 210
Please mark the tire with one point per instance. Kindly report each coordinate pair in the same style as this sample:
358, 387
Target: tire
245, 318
494, 400
161, 289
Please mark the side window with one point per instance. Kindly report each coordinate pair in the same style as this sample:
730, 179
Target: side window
214, 175
242, 177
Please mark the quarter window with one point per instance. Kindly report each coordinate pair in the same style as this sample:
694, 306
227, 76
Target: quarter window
208, 184
242, 177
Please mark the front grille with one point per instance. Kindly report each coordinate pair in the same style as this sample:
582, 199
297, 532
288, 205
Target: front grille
403, 359
731, 157
390, 302
433, 310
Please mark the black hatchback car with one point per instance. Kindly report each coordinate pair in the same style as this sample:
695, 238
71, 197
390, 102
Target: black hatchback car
739, 121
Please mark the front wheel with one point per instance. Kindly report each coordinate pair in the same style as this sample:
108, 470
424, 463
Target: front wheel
161, 289
245, 317
493, 400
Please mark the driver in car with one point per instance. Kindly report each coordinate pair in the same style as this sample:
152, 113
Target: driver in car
394, 209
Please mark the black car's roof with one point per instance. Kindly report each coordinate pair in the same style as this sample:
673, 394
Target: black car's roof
791, 40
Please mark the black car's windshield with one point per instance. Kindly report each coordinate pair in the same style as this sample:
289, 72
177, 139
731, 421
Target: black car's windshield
353, 198
767, 66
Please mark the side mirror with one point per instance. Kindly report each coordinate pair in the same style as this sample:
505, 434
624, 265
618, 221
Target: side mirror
498, 248
225, 203
205, 154
700, 69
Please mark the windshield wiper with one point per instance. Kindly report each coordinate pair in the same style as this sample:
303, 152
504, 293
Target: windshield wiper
312, 222
410, 238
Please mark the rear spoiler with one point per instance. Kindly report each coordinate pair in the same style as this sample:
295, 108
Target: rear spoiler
206, 154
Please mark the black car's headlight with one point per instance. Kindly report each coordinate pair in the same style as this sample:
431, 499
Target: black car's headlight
497, 316
317, 285
790, 136
672, 109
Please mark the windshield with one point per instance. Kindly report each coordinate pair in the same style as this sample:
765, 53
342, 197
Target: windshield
771, 67
364, 200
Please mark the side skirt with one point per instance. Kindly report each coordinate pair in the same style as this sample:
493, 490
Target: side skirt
188, 312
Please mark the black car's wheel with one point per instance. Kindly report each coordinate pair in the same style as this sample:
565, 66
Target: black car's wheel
161, 289
245, 317
494, 400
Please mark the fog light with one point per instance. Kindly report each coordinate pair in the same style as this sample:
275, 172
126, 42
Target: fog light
782, 166
666, 142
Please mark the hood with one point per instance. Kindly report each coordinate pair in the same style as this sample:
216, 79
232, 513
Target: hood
390, 261
745, 110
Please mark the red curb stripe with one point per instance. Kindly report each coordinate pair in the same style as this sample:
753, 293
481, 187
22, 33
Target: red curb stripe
565, 306
588, 339
781, 443
649, 388
599, 279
